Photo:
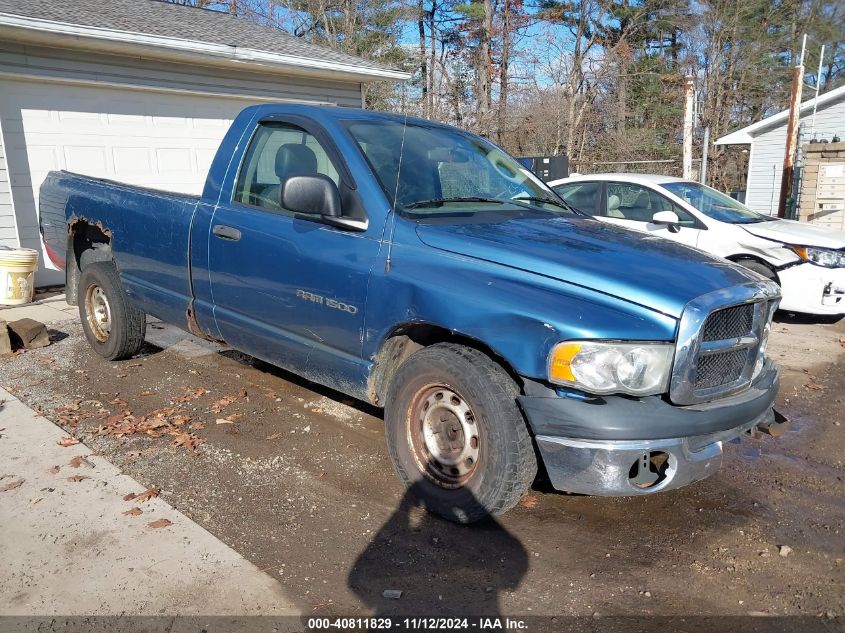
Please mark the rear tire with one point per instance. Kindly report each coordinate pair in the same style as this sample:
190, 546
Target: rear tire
114, 329
456, 435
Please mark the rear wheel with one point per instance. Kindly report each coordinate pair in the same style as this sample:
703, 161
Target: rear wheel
456, 435
114, 329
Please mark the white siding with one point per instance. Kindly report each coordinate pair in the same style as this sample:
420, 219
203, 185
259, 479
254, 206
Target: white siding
8, 229
767, 149
133, 120
765, 171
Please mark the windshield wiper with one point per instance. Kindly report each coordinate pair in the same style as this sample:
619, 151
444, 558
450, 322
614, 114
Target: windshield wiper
440, 201
551, 201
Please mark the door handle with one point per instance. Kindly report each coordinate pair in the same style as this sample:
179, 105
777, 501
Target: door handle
226, 232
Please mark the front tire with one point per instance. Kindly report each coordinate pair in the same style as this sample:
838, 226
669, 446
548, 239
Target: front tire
456, 435
760, 269
114, 329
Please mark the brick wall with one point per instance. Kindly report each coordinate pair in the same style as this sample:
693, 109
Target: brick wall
822, 199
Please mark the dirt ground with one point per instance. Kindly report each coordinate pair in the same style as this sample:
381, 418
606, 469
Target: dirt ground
297, 479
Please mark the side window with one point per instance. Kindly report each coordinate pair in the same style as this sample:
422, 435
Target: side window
580, 195
276, 153
634, 202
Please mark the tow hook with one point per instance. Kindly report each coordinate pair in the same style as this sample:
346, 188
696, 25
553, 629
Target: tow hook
776, 428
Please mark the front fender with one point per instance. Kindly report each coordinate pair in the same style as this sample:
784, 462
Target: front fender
518, 315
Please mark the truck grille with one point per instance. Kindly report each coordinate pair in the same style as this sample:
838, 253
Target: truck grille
719, 342
725, 367
728, 323
719, 369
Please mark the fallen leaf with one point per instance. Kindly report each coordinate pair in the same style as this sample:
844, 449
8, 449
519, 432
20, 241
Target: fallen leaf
54, 470
67, 441
529, 501
34, 501
196, 426
78, 478
224, 421
218, 406
190, 394
46, 360
13, 485
133, 512
160, 523
119, 402
242, 393
78, 461
148, 494
275, 436
815, 386
135, 365
147, 392
130, 496
188, 440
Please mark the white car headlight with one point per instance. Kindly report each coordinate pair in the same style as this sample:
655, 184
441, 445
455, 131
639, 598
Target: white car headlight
638, 369
820, 256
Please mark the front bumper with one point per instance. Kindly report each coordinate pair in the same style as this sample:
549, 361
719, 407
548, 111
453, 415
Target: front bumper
812, 289
618, 446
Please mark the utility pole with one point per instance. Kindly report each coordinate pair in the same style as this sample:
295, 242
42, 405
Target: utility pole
689, 97
788, 171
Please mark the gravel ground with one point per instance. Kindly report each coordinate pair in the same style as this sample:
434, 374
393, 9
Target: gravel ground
296, 478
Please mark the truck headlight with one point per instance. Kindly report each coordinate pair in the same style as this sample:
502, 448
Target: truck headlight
638, 369
820, 256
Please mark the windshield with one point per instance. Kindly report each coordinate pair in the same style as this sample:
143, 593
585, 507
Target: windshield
714, 204
445, 171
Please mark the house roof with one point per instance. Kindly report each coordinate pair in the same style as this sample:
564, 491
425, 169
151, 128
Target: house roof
163, 25
747, 134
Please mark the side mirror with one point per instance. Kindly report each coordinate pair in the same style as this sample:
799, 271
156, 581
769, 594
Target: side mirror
314, 195
669, 219
317, 198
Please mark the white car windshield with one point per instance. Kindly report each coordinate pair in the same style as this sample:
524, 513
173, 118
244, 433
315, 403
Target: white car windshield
714, 204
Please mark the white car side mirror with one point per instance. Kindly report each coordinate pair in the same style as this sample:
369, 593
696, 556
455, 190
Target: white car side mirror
665, 217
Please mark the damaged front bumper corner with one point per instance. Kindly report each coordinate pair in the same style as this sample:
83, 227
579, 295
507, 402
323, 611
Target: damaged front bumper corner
617, 446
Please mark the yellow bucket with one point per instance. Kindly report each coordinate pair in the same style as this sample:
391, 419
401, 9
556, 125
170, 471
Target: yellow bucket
17, 275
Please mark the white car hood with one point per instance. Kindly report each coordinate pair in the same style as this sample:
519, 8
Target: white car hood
797, 233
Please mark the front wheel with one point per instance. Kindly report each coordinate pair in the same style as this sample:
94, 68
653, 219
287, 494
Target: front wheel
114, 329
760, 269
456, 435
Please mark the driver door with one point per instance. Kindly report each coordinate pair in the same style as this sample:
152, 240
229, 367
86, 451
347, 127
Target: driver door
287, 289
633, 206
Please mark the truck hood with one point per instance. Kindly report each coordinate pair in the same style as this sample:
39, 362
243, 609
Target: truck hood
797, 233
643, 269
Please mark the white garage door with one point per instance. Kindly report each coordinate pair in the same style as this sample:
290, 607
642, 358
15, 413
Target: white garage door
155, 139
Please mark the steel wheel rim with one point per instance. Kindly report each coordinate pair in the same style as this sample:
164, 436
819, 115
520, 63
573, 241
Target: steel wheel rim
98, 312
444, 436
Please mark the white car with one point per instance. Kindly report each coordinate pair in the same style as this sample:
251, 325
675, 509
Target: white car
806, 260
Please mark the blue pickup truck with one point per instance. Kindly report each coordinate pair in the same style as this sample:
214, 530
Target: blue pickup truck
420, 268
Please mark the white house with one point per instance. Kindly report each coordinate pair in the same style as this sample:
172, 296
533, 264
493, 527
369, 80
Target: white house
767, 143
140, 91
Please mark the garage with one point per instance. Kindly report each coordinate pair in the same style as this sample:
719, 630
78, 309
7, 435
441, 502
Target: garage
147, 106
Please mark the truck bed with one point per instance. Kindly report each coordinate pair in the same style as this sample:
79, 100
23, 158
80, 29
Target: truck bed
147, 230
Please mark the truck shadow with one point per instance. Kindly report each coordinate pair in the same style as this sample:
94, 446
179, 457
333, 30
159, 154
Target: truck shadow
440, 568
